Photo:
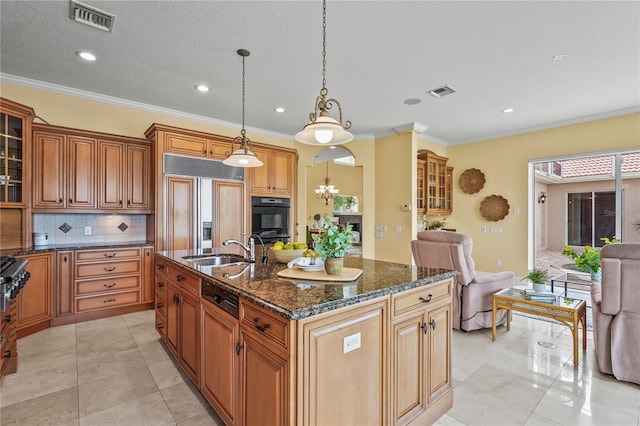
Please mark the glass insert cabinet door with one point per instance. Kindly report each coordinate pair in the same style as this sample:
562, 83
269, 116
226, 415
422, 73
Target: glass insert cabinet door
11, 156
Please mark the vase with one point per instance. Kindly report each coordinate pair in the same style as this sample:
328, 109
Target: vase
539, 287
333, 265
596, 276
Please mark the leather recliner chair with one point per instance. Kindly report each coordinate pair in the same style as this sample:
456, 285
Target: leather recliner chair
473, 296
616, 312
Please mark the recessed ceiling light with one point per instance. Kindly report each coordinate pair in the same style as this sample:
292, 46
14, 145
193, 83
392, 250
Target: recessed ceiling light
412, 101
507, 110
278, 109
559, 57
86, 56
332, 147
202, 88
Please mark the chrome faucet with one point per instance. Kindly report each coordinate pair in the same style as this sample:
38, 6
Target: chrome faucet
250, 247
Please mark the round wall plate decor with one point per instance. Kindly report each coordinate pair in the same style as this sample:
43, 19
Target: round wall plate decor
494, 208
471, 181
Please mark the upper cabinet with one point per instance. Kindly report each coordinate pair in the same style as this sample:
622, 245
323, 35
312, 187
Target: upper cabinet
276, 177
15, 137
89, 172
435, 185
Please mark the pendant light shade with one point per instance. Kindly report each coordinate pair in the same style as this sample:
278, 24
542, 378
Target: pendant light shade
323, 129
243, 156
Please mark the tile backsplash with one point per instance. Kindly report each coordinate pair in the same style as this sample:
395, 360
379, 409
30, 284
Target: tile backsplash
105, 228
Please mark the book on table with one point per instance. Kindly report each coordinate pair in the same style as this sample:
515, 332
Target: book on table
538, 296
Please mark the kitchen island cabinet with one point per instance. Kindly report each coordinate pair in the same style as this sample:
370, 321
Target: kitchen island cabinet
373, 351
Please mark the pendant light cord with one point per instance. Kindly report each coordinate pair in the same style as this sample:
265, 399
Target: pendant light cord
324, 44
243, 132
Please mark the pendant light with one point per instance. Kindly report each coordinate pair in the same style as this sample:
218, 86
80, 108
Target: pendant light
323, 129
326, 191
243, 156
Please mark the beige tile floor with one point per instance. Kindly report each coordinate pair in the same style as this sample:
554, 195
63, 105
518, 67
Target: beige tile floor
115, 371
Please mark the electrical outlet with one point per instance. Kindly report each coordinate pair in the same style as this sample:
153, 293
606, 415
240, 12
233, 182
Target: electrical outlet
398, 228
483, 229
378, 234
498, 262
406, 207
87, 230
351, 343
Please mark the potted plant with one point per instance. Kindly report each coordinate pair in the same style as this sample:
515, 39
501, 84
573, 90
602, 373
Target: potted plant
538, 278
333, 242
437, 224
589, 260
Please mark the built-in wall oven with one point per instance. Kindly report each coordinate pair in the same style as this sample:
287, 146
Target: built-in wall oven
270, 218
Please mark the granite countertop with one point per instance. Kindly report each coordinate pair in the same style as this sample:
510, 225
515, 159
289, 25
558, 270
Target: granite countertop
83, 246
296, 299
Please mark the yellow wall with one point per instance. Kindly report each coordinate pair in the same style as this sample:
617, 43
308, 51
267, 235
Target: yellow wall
504, 162
395, 181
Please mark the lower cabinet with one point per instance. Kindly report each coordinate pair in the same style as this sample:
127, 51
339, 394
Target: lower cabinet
220, 349
265, 376
92, 284
420, 354
8, 341
35, 300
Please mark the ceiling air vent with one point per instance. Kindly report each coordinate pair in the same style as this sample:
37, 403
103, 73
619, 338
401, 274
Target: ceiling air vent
91, 16
441, 91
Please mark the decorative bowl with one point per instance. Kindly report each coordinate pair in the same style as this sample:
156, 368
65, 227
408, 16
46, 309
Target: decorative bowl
285, 256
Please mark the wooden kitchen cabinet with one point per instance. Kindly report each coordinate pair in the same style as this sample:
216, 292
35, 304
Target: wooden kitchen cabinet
63, 305
15, 149
90, 172
276, 177
219, 385
182, 327
420, 353
124, 172
8, 340
230, 213
265, 367
148, 270
435, 195
179, 213
35, 300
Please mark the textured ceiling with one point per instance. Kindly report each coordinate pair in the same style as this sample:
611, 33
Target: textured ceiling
379, 53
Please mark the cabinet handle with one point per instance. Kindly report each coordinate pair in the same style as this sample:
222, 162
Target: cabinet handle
110, 285
120, 202
108, 300
239, 347
110, 255
64, 259
148, 253
160, 305
7, 354
160, 326
176, 299
128, 202
159, 267
71, 200
424, 327
433, 324
180, 278
7, 318
160, 285
1, 339
261, 328
427, 300
110, 269
60, 201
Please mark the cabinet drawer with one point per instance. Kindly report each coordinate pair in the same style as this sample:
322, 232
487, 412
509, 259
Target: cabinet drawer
161, 285
105, 269
274, 327
107, 301
421, 297
161, 305
161, 324
185, 280
107, 284
93, 255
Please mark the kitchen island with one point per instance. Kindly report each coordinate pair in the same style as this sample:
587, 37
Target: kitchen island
268, 350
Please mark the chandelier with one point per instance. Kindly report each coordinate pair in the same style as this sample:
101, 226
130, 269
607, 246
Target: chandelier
243, 156
323, 129
326, 191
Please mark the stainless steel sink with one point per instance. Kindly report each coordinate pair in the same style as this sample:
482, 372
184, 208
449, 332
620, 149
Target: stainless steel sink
216, 260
